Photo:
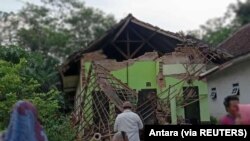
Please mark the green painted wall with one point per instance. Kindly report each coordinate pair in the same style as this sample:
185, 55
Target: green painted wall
88, 108
204, 113
138, 74
146, 71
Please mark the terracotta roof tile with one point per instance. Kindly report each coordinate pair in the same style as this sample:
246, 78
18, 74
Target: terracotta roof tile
239, 43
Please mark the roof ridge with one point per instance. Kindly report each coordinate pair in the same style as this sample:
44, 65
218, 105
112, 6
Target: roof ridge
237, 43
177, 35
233, 34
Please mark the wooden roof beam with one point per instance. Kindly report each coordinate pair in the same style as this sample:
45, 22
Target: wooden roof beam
158, 29
121, 29
146, 41
119, 50
128, 45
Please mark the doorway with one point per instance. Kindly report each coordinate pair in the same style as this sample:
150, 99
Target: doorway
147, 104
192, 107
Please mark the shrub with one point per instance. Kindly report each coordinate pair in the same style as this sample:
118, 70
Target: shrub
213, 120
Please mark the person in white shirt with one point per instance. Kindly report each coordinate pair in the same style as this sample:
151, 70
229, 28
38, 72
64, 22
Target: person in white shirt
128, 122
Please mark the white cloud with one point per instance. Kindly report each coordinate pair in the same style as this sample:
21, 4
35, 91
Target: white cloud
173, 15
10, 5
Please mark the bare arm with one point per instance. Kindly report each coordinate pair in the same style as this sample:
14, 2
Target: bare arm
116, 124
140, 124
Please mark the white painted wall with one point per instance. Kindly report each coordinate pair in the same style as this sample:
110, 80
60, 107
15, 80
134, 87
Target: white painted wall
223, 81
172, 69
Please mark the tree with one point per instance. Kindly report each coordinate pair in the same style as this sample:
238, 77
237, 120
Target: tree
216, 30
16, 85
242, 12
216, 35
40, 67
32, 42
56, 28
213, 32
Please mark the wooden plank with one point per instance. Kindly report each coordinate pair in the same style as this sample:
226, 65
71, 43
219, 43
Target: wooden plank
143, 38
133, 54
130, 41
145, 41
151, 45
170, 44
156, 28
71, 81
128, 45
121, 30
137, 33
119, 50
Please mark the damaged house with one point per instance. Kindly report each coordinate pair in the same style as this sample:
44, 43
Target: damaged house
157, 70
231, 77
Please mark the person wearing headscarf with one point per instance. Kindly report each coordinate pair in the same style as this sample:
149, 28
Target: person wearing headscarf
24, 124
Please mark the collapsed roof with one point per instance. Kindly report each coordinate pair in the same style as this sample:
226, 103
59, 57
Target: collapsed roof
97, 106
142, 37
225, 65
129, 39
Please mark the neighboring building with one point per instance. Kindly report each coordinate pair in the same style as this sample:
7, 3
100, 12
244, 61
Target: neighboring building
238, 43
232, 77
157, 70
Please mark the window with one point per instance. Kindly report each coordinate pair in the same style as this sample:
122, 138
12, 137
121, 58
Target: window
148, 84
213, 93
236, 89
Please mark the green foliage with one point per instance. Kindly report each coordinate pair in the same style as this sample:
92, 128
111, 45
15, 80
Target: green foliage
218, 36
11, 81
12, 54
18, 81
216, 30
242, 11
5, 107
58, 27
57, 125
213, 120
13, 87
47, 111
39, 67
43, 39
45, 34
60, 129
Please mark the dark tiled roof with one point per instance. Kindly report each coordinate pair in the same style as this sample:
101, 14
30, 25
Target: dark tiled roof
239, 43
130, 18
164, 41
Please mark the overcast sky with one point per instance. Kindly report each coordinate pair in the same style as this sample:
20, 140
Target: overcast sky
172, 15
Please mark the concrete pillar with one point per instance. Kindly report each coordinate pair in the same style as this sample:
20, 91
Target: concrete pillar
173, 111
